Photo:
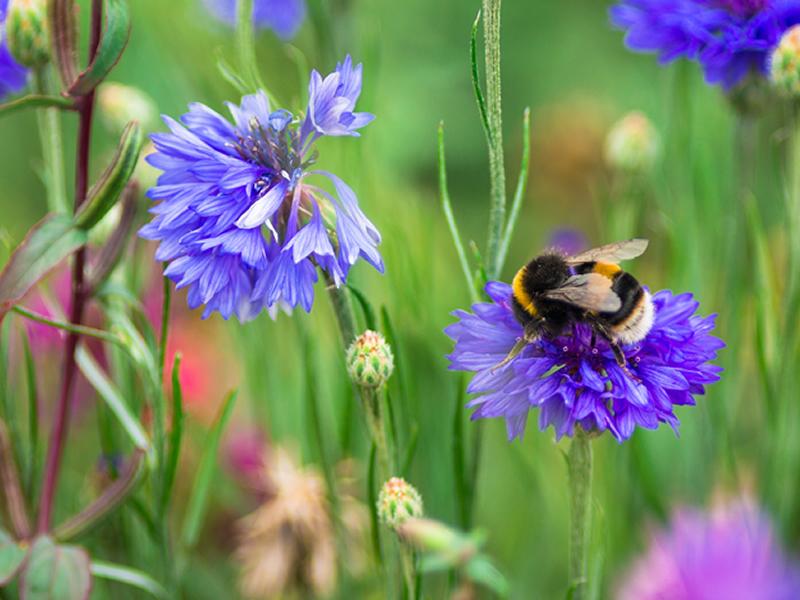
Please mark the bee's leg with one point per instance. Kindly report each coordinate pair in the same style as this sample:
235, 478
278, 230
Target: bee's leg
531, 334
619, 355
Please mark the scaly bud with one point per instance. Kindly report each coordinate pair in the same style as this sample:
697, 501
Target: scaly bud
369, 360
398, 502
785, 63
632, 144
26, 32
120, 104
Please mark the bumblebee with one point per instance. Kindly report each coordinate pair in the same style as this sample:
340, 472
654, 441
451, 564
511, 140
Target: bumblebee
553, 291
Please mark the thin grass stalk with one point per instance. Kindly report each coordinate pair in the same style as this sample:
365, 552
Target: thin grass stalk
49, 125
579, 465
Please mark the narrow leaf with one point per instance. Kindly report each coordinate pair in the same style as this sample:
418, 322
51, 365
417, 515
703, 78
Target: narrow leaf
32, 466
49, 242
11, 557
55, 572
63, 32
366, 308
476, 80
195, 513
373, 504
35, 101
111, 185
111, 497
111, 252
128, 576
113, 40
175, 435
522, 185
112, 397
230, 75
451, 220
12, 488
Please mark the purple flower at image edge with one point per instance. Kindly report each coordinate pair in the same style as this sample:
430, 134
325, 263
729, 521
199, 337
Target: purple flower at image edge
729, 38
284, 17
13, 76
239, 219
731, 552
571, 382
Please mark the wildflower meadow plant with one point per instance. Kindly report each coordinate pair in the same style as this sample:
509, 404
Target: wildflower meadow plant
239, 220
731, 39
729, 552
12, 74
284, 17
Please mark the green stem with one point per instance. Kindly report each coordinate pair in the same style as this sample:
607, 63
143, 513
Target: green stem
246, 44
49, 121
409, 572
70, 327
579, 464
497, 211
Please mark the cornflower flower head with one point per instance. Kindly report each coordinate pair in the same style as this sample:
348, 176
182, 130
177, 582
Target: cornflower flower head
731, 39
12, 75
574, 382
284, 17
240, 221
729, 553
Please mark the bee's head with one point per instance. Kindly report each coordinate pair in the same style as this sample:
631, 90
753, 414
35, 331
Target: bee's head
546, 272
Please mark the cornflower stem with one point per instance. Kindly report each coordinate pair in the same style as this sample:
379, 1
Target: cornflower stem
49, 125
409, 572
58, 437
579, 465
497, 209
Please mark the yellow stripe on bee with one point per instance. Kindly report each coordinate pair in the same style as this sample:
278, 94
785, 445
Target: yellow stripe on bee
606, 269
521, 294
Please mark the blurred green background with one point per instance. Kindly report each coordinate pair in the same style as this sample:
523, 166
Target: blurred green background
565, 62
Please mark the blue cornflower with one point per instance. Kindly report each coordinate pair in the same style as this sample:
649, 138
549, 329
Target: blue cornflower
12, 74
240, 220
729, 38
573, 382
284, 17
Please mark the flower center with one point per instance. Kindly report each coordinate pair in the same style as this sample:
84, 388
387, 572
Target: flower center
275, 145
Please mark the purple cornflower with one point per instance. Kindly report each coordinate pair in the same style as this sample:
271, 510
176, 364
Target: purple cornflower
284, 17
729, 38
12, 74
730, 553
239, 220
574, 383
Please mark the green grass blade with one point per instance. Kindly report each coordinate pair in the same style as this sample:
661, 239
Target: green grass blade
175, 435
128, 576
522, 186
198, 503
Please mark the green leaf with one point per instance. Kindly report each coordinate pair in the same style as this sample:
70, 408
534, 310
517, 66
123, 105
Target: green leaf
112, 397
113, 40
476, 79
481, 570
63, 31
35, 101
175, 436
522, 185
129, 576
366, 308
195, 513
55, 572
49, 242
111, 185
229, 74
11, 557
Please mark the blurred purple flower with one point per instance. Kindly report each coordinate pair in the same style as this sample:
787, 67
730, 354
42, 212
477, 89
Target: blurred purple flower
567, 241
332, 100
729, 38
12, 74
574, 383
284, 17
239, 222
730, 553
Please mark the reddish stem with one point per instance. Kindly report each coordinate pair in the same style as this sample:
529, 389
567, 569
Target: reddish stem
55, 453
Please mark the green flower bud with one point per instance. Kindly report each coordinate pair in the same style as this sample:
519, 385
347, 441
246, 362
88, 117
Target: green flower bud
632, 144
398, 502
120, 104
369, 360
785, 63
26, 32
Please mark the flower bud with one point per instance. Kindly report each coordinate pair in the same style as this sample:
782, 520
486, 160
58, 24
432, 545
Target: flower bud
369, 360
785, 63
398, 502
26, 32
120, 104
632, 144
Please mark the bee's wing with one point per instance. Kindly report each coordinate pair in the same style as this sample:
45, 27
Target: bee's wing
612, 253
590, 291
